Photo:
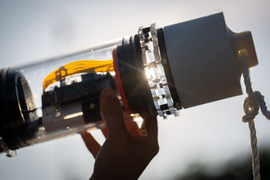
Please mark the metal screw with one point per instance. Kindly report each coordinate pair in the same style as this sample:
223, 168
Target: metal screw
176, 113
146, 47
164, 116
164, 61
177, 105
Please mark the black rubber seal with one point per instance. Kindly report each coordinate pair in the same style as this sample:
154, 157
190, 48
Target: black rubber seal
130, 77
14, 114
124, 76
6, 122
133, 77
167, 69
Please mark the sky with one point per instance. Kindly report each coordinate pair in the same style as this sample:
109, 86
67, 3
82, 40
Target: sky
211, 134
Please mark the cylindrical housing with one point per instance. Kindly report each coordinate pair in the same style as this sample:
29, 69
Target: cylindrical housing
157, 71
203, 59
55, 97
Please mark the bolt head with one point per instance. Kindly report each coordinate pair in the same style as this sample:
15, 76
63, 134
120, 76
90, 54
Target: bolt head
164, 61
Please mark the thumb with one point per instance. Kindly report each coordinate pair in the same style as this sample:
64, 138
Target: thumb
112, 112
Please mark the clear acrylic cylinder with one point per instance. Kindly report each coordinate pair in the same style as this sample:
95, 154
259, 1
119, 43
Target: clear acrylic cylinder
56, 97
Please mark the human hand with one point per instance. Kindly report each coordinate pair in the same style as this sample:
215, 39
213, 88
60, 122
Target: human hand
127, 150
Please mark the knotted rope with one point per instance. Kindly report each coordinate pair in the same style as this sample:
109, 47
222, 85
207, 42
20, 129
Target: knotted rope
252, 103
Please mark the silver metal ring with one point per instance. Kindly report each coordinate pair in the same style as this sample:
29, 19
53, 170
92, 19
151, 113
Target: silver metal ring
155, 74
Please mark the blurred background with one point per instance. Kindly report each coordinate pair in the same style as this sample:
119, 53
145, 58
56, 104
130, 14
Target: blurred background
206, 142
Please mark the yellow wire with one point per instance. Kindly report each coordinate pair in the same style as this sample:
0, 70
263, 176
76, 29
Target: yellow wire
82, 66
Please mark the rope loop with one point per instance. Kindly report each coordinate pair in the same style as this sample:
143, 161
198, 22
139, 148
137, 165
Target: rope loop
260, 99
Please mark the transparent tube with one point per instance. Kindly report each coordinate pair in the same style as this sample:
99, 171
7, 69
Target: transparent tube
154, 72
59, 96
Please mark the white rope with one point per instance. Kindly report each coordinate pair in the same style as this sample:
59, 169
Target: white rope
253, 101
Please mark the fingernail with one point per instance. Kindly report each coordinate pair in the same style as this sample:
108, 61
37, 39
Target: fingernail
105, 98
110, 95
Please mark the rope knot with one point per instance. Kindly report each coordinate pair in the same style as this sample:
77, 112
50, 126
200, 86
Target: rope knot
251, 109
260, 99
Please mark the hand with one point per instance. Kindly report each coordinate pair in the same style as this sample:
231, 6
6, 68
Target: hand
124, 155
